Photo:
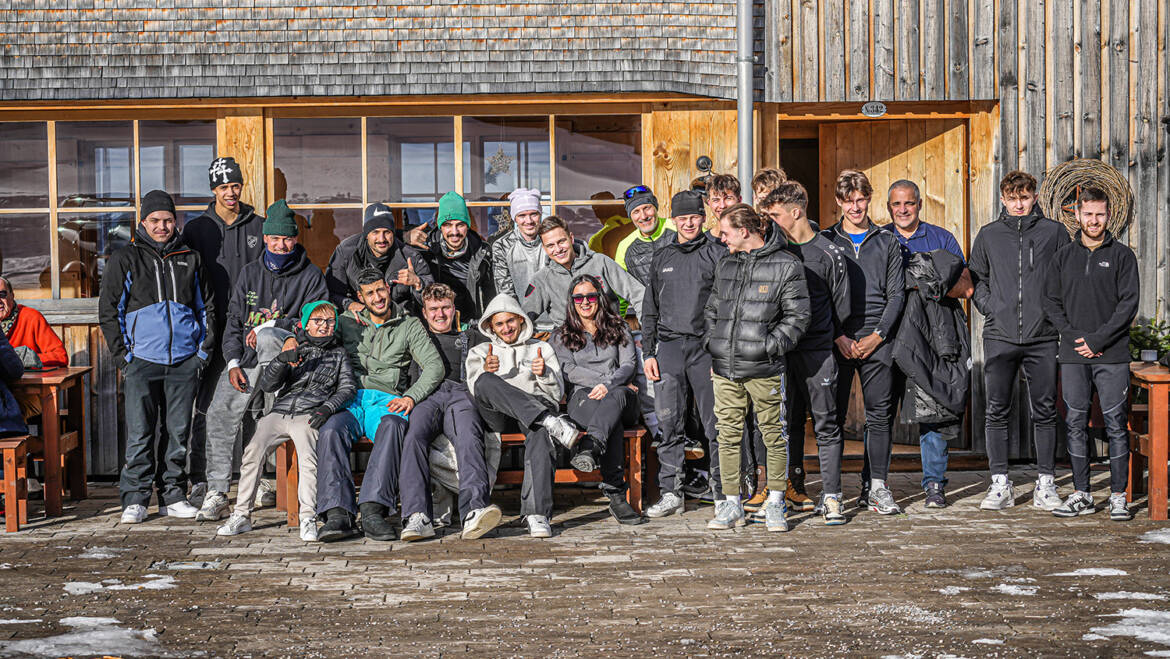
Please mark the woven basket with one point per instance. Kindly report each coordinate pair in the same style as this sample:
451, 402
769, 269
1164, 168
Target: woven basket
1058, 193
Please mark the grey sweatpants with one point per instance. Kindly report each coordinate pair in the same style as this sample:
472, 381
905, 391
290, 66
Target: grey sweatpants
225, 413
271, 431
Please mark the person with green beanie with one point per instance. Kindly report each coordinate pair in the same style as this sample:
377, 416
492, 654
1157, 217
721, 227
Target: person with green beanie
263, 312
460, 258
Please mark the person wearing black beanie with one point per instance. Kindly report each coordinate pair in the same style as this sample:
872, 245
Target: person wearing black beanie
156, 200
377, 246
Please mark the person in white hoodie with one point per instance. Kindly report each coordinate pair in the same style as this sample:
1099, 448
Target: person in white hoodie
516, 382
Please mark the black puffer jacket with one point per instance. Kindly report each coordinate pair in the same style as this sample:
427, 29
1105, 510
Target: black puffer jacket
1009, 267
757, 311
347, 261
932, 347
323, 376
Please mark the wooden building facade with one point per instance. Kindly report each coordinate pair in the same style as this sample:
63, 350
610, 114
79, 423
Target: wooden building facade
334, 107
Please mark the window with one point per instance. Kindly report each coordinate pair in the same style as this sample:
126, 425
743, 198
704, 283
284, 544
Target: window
409, 159
318, 161
501, 154
598, 156
174, 156
24, 253
95, 163
24, 165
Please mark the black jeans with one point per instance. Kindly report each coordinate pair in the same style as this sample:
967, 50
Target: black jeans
505, 408
449, 411
684, 368
877, 388
150, 387
1111, 382
605, 422
335, 487
812, 388
1001, 364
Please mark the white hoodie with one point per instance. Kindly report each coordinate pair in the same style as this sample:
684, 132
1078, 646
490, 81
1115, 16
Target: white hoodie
516, 359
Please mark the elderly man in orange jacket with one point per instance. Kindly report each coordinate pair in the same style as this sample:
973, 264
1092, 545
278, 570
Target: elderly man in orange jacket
30, 334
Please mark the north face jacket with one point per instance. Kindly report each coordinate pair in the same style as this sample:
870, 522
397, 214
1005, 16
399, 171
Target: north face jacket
757, 311
157, 304
225, 249
323, 376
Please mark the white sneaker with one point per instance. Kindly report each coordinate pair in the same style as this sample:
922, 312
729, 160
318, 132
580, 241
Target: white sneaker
478, 522
215, 507
265, 494
308, 529
197, 494
669, 504
180, 509
235, 525
538, 526
728, 515
133, 514
1045, 496
417, 527
1000, 495
562, 430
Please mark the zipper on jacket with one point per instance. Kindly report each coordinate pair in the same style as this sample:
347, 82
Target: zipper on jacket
1020, 282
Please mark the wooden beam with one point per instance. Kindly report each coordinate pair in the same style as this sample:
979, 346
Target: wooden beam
983, 50
834, 47
958, 59
859, 61
934, 55
1060, 53
894, 110
1090, 55
884, 67
240, 134
906, 27
807, 51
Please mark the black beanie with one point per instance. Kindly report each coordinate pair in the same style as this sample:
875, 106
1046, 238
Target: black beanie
223, 171
156, 200
687, 202
639, 199
378, 216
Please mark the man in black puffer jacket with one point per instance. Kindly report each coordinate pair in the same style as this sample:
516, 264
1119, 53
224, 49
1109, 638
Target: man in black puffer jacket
757, 312
377, 246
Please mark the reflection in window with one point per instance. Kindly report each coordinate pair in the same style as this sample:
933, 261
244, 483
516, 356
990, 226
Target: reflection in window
329, 227
94, 164
86, 241
174, 156
24, 254
585, 221
409, 159
24, 165
598, 154
501, 154
318, 161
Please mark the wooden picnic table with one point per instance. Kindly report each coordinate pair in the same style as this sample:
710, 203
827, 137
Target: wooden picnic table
64, 452
1150, 436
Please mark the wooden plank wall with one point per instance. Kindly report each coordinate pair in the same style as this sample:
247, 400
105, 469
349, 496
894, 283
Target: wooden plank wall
673, 140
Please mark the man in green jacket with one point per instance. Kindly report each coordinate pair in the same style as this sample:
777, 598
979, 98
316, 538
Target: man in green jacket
382, 340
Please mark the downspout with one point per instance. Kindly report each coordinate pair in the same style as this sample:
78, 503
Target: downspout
743, 99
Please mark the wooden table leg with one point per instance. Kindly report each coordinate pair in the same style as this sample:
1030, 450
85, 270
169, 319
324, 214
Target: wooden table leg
634, 496
50, 418
76, 460
282, 474
1159, 437
15, 488
294, 476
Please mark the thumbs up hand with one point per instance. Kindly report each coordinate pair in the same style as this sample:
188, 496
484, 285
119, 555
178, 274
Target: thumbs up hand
407, 276
491, 363
538, 364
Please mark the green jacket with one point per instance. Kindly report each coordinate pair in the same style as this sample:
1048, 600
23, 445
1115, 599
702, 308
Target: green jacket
381, 354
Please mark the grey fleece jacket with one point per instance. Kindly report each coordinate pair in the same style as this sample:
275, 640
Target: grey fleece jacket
590, 366
549, 291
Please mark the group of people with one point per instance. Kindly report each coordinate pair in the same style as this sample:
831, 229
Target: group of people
721, 336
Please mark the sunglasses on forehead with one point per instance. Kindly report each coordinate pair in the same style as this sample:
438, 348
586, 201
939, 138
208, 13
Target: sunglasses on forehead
578, 298
636, 190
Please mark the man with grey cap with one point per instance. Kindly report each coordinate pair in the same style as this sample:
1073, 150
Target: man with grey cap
517, 254
377, 246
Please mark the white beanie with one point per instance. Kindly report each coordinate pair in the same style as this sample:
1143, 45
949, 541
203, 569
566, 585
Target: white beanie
524, 200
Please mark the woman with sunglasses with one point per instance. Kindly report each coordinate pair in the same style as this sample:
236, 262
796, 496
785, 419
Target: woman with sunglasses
597, 359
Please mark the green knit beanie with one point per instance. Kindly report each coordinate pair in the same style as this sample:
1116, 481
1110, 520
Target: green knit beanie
309, 307
452, 207
280, 220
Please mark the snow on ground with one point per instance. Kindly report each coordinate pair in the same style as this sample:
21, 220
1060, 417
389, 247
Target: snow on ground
1142, 624
14, 621
100, 552
1093, 572
1158, 535
1127, 595
988, 641
90, 636
953, 590
1013, 589
156, 582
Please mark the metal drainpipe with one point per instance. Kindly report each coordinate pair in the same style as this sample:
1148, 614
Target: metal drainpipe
743, 100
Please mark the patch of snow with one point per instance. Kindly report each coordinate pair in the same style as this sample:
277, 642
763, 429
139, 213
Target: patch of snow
953, 590
1019, 580
1094, 637
82, 587
1142, 624
100, 552
1159, 535
1013, 589
1127, 595
90, 636
155, 582
14, 621
185, 565
908, 613
5, 566
988, 641
1093, 572
1158, 653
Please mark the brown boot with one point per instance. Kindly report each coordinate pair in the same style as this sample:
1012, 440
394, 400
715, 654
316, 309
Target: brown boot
753, 504
797, 501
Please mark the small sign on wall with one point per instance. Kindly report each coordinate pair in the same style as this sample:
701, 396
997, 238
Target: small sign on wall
873, 109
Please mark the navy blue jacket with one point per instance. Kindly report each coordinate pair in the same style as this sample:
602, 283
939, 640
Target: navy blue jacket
11, 420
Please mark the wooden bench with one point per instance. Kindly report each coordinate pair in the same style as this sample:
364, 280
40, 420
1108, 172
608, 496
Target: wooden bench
637, 449
15, 454
1149, 426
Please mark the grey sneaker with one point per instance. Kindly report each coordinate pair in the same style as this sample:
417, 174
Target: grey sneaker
1118, 508
309, 529
881, 501
1078, 503
538, 526
197, 494
669, 504
235, 525
215, 507
1044, 496
775, 518
265, 494
562, 430
417, 527
936, 496
1000, 495
481, 520
728, 515
832, 510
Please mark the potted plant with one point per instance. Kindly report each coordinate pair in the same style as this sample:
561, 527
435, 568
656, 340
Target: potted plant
1149, 340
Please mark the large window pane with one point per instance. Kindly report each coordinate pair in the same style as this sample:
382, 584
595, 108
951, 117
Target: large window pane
501, 154
584, 221
95, 165
329, 227
410, 159
174, 156
24, 165
597, 154
318, 161
24, 254
85, 241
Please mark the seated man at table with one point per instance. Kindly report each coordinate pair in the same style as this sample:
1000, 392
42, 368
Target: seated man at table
11, 420
381, 340
33, 340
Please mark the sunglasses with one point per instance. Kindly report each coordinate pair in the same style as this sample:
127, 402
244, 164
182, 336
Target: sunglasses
636, 190
591, 298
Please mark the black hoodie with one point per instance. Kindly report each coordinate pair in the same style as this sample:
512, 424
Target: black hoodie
347, 261
1093, 294
225, 249
1009, 267
678, 283
827, 274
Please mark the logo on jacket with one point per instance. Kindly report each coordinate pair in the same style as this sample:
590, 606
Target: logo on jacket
1104, 264
253, 241
763, 289
666, 270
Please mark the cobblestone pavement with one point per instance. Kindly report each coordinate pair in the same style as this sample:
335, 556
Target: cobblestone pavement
955, 582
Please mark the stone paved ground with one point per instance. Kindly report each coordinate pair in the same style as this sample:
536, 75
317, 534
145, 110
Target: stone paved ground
956, 582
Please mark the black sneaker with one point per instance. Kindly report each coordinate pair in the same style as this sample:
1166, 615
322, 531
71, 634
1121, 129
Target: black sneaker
622, 511
863, 498
935, 496
376, 525
338, 526
695, 485
584, 460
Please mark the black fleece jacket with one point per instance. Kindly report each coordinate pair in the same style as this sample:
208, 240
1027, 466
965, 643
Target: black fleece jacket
678, 283
225, 249
1093, 294
826, 272
876, 282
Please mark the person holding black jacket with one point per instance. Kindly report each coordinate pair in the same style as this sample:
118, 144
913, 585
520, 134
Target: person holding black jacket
1091, 297
876, 290
1009, 267
756, 314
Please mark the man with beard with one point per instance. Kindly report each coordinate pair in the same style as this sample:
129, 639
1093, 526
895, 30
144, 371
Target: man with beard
377, 246
460, 258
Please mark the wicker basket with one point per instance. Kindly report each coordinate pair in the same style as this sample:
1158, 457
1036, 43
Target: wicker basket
1058, 193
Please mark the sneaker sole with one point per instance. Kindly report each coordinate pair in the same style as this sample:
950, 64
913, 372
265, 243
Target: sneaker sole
488, 521
658, 515
887, 511
582, 465
1081, 513
1004, 506
166, 513
834, 522
218, 515
1042, 506
799, 506
719, 526
1119, 518
414, 537
131, 521
931, 504
335, 536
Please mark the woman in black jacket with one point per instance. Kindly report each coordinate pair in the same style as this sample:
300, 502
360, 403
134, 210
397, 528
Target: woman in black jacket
597, 356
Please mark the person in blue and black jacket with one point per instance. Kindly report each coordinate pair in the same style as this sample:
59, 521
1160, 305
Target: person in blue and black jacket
155, 310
